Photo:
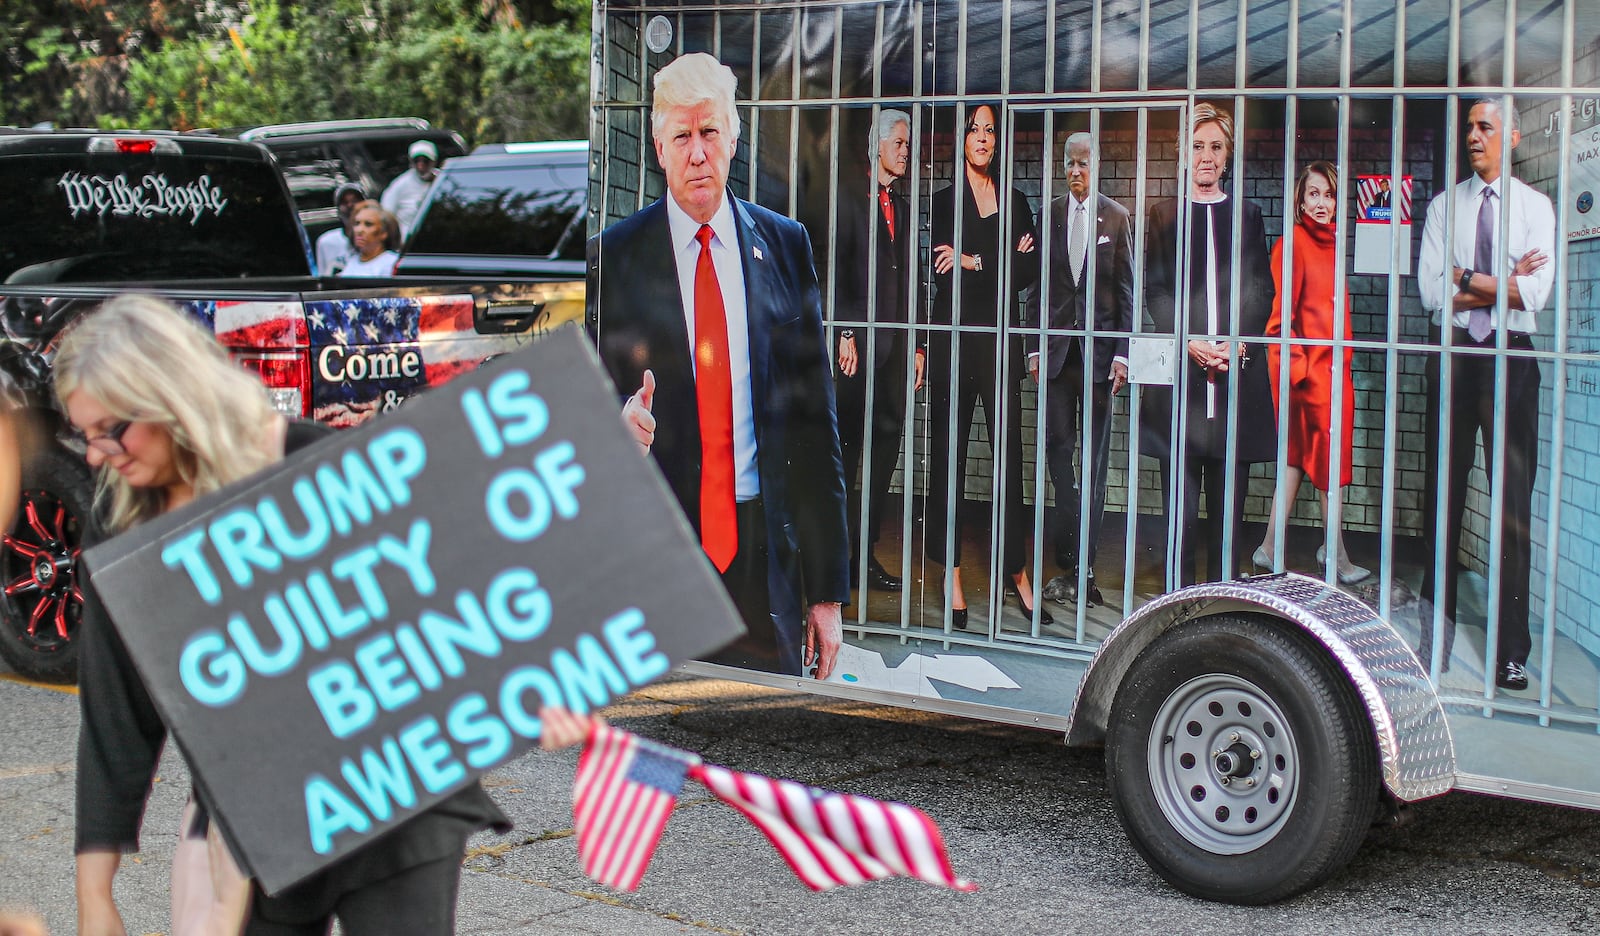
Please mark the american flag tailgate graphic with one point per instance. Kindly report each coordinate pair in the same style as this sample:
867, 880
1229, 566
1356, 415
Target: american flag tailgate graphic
368, 355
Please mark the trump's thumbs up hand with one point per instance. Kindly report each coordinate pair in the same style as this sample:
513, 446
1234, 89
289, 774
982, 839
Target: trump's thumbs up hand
636, 414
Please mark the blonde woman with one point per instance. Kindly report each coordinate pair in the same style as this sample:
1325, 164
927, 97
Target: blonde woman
375, 232
1210, 363
167, 418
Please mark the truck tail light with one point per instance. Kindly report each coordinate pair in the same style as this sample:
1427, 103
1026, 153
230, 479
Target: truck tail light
287, 375
134, 145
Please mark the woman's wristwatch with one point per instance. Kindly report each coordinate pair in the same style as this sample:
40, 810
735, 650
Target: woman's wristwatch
847, 333
977, 263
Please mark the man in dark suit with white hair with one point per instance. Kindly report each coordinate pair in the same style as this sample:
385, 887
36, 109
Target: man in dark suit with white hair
873, 285
709, 306
1091, 247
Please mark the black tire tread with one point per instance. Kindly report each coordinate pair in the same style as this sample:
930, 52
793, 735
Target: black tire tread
1352, 744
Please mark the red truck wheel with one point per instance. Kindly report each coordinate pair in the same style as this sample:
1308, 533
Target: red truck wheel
41, 599
1242, 763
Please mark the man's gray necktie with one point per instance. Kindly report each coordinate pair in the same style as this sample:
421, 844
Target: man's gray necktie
1075, 239
1483, 262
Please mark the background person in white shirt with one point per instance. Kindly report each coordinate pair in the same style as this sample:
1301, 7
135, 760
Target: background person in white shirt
336, 247
404, 195
1468, 286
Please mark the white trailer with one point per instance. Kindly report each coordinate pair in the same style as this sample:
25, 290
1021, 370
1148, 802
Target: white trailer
1254, 725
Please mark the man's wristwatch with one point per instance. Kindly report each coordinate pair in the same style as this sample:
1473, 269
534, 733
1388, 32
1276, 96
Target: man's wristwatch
847, 333
977, 263
1465, 282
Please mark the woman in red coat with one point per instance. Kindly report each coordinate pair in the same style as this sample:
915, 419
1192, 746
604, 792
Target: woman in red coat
1310, 297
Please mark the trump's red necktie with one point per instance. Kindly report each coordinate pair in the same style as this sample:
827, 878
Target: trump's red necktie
713, 386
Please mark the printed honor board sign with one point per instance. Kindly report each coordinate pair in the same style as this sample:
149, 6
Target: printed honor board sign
1583, 184
344, 640
1383, 212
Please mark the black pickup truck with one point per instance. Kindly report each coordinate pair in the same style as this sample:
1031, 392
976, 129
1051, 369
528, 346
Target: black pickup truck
209, 224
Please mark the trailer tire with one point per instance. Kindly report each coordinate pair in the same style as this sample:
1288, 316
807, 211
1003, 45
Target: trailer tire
1242, 764
41, 600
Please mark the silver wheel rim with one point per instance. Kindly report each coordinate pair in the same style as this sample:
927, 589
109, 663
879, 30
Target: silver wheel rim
1223, 764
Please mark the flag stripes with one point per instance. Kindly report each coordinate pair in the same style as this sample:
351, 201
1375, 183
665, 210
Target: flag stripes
835, 839
626, 788
621, 801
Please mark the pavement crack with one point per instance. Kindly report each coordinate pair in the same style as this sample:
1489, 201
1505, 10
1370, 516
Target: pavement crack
609, 900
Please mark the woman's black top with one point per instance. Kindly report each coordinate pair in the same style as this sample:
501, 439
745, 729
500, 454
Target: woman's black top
120, 738
1211, 235
980, 289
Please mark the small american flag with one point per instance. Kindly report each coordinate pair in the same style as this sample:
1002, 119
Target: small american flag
624, 794
625, 791
835, 839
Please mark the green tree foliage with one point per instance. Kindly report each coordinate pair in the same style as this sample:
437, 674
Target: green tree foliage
63, 61
492, 69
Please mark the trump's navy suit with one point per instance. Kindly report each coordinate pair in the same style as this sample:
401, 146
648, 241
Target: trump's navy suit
636, 316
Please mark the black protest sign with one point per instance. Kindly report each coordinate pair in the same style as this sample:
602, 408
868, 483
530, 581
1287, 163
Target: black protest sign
351, 636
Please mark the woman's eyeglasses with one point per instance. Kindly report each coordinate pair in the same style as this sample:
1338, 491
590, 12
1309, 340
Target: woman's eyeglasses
108, 442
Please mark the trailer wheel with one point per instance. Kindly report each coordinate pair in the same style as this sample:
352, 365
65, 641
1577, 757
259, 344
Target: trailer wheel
1242, 763
41, 600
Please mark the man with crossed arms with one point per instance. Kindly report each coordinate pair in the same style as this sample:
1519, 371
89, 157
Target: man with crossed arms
1465, 289
709, 305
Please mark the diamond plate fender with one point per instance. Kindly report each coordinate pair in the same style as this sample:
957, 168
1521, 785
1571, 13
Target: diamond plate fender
1414, 744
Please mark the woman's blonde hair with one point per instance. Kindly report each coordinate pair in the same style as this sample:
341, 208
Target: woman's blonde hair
1205, 112
689, 80
145, 361
391, 224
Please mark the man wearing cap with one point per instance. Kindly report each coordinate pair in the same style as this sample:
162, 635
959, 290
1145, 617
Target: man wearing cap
335, 247
405, 194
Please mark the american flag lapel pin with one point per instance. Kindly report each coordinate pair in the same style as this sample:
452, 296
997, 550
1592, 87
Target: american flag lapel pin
756, 252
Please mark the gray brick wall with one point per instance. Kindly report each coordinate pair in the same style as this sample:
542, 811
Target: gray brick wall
1576, 564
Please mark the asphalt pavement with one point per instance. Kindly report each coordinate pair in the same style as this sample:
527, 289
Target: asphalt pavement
1027, 819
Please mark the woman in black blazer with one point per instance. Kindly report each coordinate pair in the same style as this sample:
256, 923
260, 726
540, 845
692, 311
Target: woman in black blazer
984, 252
1207, 368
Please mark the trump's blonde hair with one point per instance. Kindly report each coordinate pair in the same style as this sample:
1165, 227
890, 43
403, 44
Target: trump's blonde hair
145, 361
690, 80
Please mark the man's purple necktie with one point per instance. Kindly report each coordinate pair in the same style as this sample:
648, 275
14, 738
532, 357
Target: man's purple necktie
1483, 262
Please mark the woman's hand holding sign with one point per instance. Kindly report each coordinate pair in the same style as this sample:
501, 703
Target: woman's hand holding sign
562, 728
